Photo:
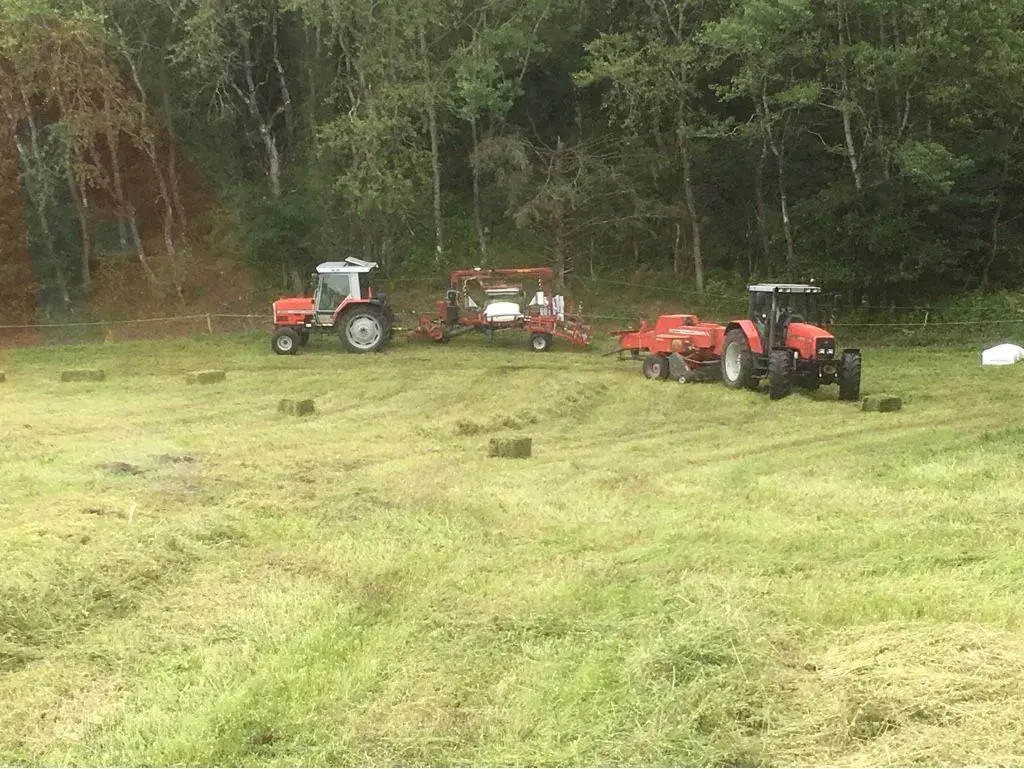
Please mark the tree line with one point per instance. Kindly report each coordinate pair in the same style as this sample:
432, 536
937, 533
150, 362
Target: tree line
874, 145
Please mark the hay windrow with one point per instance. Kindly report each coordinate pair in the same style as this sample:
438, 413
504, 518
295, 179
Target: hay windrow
899, 694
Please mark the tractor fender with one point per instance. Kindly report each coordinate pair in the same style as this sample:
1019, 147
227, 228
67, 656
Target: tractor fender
346, 304
750, 330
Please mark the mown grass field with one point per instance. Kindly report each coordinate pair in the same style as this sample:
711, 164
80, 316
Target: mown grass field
681, 575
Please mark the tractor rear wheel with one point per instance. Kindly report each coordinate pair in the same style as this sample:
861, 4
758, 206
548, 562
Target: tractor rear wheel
780, 374
849, 376
738, 361
656, 367
363, 329
284, 341
540, 342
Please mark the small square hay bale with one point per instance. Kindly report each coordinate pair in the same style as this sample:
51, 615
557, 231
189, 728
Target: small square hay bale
3, 376
297, 408
513, 448
208, 376
883, 403
83, 375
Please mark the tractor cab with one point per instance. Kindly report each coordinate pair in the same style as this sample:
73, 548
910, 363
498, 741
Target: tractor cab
334, 282
773, 306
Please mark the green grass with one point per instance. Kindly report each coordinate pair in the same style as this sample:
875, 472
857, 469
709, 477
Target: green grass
681, 575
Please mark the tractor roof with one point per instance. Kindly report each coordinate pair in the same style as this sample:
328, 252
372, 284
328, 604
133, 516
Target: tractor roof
351, 264
786, 288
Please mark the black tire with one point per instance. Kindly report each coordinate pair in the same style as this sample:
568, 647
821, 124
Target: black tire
849, 376
363, 329
656, 367
780, 374
738, 360
284, 341
540, 342
303, 338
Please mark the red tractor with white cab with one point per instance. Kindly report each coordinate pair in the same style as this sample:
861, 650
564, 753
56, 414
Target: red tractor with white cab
343, 302
778, 340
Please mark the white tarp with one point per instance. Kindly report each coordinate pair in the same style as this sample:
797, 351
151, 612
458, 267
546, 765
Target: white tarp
1002, 355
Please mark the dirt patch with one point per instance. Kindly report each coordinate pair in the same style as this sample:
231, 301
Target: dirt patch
121, 468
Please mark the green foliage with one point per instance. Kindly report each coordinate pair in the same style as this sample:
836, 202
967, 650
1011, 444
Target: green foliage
876, 143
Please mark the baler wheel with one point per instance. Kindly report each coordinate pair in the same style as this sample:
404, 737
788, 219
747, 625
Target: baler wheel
656, 367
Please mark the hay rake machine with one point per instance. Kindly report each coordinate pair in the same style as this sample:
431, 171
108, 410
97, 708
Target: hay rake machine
486, 300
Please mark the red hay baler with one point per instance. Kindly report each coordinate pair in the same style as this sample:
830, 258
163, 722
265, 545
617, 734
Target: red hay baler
777, 340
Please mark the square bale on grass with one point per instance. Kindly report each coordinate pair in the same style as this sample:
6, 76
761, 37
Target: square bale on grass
83, 375
297, 408
208, 376
511, 448
882, 403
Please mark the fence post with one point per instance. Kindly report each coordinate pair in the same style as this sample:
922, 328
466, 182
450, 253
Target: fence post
209, 323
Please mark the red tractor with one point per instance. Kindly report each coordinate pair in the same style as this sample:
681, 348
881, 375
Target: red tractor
343, 302
777, 340
499, 305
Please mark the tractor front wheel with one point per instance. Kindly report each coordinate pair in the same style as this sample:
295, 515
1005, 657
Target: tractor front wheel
656, 367
849, 376
363, 329
780, 374
738, 361
540, 342
284, 341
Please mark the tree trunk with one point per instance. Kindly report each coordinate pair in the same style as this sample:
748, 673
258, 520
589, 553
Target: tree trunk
33, 164
312, 55
759, 204
787, 228
481, 236
172, 158
844, 107
677, 250
81, 203
778, 149
251, 99
993, 248
172, 252
139, 248
691, 209
435, 151
286, 97
559, 256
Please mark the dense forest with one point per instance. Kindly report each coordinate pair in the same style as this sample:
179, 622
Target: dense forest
874, 145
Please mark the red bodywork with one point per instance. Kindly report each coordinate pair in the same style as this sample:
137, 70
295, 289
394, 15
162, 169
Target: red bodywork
563, 322
300, 311
294, 311
803, 337
695, 340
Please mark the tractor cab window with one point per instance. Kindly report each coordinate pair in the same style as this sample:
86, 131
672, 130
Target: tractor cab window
760, 307
802, 308
333, 289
